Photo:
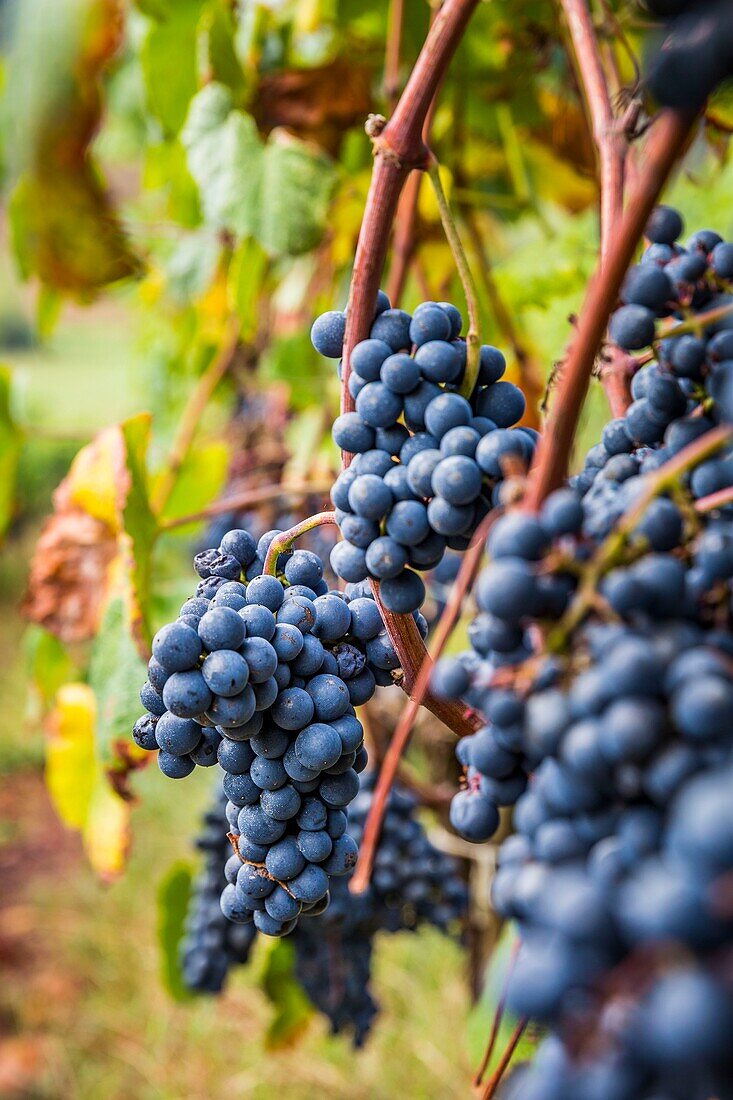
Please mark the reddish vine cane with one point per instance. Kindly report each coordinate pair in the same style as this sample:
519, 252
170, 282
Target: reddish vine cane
665, 146
398, 149
418, 695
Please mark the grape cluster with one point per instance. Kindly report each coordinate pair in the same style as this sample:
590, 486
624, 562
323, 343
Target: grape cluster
696, 53
335, 969
428, 462
669, 280
262, 674
211, 944
536, 562
616, 875
602, 662
413, 884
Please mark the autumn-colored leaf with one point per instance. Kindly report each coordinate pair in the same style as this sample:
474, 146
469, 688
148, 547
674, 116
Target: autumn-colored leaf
102, 517
70, 762
76, 780
69, 572
316, 104
65, 227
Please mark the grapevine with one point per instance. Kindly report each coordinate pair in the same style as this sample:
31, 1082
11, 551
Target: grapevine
454, 655
600, 660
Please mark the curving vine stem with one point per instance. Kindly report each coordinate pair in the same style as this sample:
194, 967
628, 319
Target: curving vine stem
399, 148
666, 144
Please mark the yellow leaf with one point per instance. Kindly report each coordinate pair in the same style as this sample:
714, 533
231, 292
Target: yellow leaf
92, 481
78, 784
107, 831
70, 757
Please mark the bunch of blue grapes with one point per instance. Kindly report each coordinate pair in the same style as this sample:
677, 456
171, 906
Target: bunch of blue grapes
428, 462
617, 874
335, 970
694, 56
262, 674
413, 884
617, 753
211, 944
602, 662
670, 561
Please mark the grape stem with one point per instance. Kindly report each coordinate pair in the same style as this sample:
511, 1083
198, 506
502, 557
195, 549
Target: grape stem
398, 149
609, 143
615, 373
666, 144
405, 243
507, 1055
413, 658
498, 1015
610, 551
473, 344
246, 499
696, 324
714, 500
282, 542
418, 692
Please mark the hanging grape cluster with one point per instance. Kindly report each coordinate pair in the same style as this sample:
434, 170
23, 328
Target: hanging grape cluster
414, 884
428, 460
602, 662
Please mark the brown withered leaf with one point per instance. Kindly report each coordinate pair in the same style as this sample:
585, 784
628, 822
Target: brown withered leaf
68, 581
316, 104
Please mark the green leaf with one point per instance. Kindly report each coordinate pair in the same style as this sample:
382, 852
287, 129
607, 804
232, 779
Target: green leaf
219, 28
200, 479
293, 1009
278, 191
297, 188
11, 441
168, 59
173, 898
116, 672
193, 265
244, 285
225, 158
